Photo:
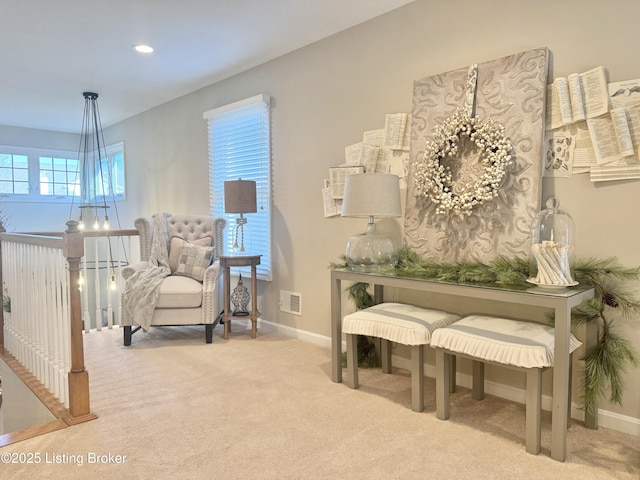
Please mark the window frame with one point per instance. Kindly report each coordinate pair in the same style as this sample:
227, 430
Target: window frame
34, 155
228, 157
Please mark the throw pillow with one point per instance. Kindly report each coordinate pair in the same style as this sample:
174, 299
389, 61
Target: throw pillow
177, 245
194, 261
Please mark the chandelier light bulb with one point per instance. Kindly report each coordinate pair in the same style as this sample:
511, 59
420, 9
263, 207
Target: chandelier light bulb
105, 225
96, 223
113, 284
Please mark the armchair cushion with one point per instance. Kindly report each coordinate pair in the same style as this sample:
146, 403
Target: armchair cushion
177, 246
194, 261
180, 292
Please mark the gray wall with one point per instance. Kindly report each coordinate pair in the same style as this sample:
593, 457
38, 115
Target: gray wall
23, 217
325, 95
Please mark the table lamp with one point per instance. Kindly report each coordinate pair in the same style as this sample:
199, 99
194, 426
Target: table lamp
240, 197
371, 195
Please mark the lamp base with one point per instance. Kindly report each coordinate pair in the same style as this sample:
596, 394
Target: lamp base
370, 251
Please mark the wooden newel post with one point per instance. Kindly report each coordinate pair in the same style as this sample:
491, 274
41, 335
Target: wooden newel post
78, 376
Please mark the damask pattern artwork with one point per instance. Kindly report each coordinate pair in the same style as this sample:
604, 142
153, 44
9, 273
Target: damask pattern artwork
511, 92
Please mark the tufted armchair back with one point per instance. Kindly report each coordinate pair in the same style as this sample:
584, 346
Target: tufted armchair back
188, 227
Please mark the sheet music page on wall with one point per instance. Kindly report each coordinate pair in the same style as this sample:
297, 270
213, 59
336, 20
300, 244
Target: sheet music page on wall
595, 92
584, 157
627, 167
577, 97
362, 154
374, 137
611, 136
332, 207
397, 128
337, 178
624, 93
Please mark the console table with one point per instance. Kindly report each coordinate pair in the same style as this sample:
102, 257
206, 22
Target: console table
226, 262
560, 301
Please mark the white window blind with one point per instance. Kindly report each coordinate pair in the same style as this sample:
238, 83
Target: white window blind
240, 148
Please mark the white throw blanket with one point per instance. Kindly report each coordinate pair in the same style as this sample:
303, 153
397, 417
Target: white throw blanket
142, 289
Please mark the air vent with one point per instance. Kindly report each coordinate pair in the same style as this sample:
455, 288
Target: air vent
291, 302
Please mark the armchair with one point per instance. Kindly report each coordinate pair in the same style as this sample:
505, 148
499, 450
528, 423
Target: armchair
187, 296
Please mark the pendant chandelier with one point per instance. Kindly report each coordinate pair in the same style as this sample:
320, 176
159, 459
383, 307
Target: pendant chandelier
95, 180
96, 187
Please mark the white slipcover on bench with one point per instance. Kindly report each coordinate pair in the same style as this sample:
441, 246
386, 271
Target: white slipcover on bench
522, 345
399, 323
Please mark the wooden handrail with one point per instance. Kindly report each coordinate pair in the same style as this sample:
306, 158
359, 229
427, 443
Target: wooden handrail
38, 240
87, 233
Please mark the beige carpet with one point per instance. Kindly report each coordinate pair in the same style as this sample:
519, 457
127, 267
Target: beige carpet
266, 408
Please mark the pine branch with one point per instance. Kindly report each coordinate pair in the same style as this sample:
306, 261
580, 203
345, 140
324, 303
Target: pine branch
359, 293
510, 272
367, 353
603, 268
606, 363
474, 272
343, 264
587, 312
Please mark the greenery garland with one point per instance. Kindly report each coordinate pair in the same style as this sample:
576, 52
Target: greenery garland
605, 363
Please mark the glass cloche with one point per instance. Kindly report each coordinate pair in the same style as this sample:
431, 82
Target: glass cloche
552, 246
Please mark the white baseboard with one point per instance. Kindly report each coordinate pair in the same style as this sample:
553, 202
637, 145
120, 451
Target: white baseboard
607, 419
309, 337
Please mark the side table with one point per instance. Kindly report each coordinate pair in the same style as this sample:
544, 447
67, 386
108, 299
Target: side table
226, 262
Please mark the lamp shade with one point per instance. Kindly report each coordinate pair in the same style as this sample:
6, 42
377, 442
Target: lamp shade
371, 194
240, 196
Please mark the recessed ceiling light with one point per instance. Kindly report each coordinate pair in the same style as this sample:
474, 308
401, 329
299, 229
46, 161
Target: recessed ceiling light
143, 48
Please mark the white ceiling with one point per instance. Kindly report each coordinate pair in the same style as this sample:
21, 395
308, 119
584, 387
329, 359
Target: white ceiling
53, 50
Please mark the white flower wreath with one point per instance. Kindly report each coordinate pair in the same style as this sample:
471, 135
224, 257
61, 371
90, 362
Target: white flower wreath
433, 180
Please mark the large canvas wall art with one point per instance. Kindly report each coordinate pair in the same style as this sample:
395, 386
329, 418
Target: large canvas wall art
506, 95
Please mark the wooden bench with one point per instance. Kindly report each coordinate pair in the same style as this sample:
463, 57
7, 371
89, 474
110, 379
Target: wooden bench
399, 323
522, 345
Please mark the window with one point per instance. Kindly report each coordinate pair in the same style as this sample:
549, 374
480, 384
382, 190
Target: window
31, 174
108, 174
58, 176
240, 148
14, 174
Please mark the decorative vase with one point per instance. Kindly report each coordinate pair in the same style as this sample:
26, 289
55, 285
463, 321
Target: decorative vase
240, 299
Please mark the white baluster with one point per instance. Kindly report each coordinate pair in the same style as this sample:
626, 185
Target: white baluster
96, 281
54, 331
46, 316
65, 351
109, 282
86, 316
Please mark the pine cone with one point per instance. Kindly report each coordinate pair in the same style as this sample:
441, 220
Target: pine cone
611, 300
